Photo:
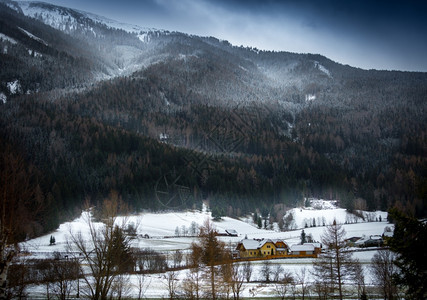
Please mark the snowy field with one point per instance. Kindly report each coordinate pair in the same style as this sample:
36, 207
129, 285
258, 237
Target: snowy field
163, 227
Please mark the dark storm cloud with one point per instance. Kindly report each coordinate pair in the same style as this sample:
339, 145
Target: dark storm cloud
369, 34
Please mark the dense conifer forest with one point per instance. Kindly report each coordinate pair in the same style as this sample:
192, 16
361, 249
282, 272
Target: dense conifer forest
244, 129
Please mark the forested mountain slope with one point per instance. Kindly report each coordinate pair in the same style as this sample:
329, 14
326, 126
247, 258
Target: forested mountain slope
94, 108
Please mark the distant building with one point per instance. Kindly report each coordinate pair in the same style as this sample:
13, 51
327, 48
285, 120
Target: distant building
275, 248
374, 241
371, 241
302, 250
351, 242
305, 250
262, 248
164, 137
231, 232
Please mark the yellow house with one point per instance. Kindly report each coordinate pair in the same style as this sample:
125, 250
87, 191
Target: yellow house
262, 248
248, 248
268, 248
282, 248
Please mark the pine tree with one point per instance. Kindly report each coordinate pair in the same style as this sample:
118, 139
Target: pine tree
410, 235
303, 238
259, 222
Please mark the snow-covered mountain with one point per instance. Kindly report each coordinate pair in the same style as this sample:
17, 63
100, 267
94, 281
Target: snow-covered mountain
124, 48
70, 20
299, 124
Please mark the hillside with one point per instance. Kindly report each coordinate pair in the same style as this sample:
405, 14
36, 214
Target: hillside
164, 236
169, 119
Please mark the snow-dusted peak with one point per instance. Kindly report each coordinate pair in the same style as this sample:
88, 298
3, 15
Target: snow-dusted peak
119, 25
69, 20
61, 18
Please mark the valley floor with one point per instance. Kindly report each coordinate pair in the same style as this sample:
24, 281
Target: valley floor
157, 231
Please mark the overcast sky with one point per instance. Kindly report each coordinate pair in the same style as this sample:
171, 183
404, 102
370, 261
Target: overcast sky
370, 34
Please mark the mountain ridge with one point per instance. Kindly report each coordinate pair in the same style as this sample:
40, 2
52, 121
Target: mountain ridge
99, 109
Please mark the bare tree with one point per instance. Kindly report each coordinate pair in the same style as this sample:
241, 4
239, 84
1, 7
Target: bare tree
191, 284
62, 275
266, 270
177, 257
237, 279
19, 276
149, 260
142, 285
20, 200
171, 282
225, 280
120, 288
359, 279
301, 279
106, 252
247, 270
283, 285
384, 269
233, 278
335, 265
277, 272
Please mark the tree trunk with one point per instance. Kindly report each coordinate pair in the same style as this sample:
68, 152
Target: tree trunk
4, 267
213, 281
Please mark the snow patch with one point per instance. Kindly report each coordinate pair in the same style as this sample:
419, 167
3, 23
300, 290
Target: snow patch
14, 87
144, 37
320, 67
6, 38
324, 212
243, 68
33, 36
310, 97
34, 53
3, 98
56, 17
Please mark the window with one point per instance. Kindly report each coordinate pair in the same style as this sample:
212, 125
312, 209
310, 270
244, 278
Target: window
268, 246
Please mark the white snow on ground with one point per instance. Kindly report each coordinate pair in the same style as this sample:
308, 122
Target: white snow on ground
56, 18
14, 87
144, 37
310, 97
7, 38
52, 18
161, 227
324, 212
34, 53
3, 98
322, 68
63, 20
